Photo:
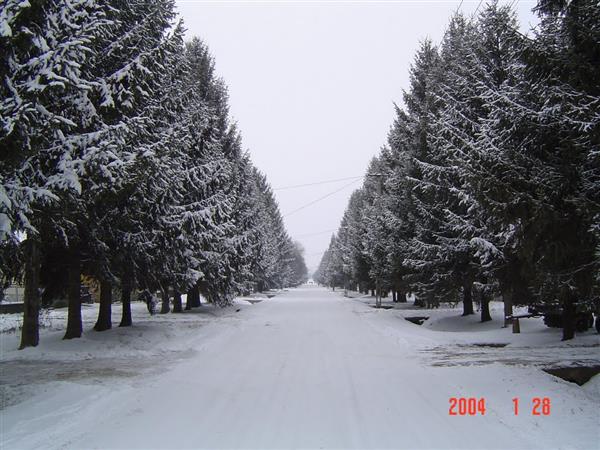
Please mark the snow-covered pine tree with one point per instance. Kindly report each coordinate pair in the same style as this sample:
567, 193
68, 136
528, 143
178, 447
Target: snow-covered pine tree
119, 147
473, 54
264, 265
430, 266
299, 271
443, 173
43, 47
518, 172
332, 270
397, 206
129, 70
352, 229
356, 229
323, 275
137, 216
397, 160
549, 119
377, 223
246, 216
205, 207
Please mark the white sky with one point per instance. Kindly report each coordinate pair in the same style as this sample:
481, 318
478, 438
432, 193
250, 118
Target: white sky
312, 86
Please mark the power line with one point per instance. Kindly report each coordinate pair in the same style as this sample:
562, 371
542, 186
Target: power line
319, 199
328, 181
316, 233
317, 183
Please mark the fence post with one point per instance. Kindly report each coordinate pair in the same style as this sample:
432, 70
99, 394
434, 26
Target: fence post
516, 328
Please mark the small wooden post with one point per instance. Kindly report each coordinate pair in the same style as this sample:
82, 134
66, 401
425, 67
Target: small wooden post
516, 328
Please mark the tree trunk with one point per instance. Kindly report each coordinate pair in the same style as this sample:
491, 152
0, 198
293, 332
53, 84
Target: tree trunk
30, 335
126, 303
164, 308
193, 298
74, 322
467, 299
417, 301
377, 296
104, 321
485, 308
177, 306
508, 304
568, 314
401, 295
394, 297
127, 282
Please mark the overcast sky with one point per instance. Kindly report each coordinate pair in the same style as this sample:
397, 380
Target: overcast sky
312, 86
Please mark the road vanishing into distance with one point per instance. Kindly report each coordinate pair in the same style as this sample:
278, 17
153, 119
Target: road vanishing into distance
305, 369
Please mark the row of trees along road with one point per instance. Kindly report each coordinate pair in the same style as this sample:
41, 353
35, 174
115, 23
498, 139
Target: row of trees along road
119, 162
490, 180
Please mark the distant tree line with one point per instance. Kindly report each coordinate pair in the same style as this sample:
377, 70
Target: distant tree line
120, 162
489, 184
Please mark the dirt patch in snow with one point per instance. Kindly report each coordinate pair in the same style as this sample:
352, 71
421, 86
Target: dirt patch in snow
577, 374
490, 345
417, 320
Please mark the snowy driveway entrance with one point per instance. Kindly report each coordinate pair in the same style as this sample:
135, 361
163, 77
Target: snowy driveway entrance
307, 369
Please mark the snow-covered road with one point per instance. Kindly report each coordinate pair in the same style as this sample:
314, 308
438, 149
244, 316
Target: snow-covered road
306, 369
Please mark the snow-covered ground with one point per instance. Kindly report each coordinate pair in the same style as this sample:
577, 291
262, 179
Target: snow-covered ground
305, 369
458, 340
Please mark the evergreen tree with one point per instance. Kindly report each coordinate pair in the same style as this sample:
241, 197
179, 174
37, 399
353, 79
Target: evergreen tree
122, 164
123, 124
299, 271
44, 47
